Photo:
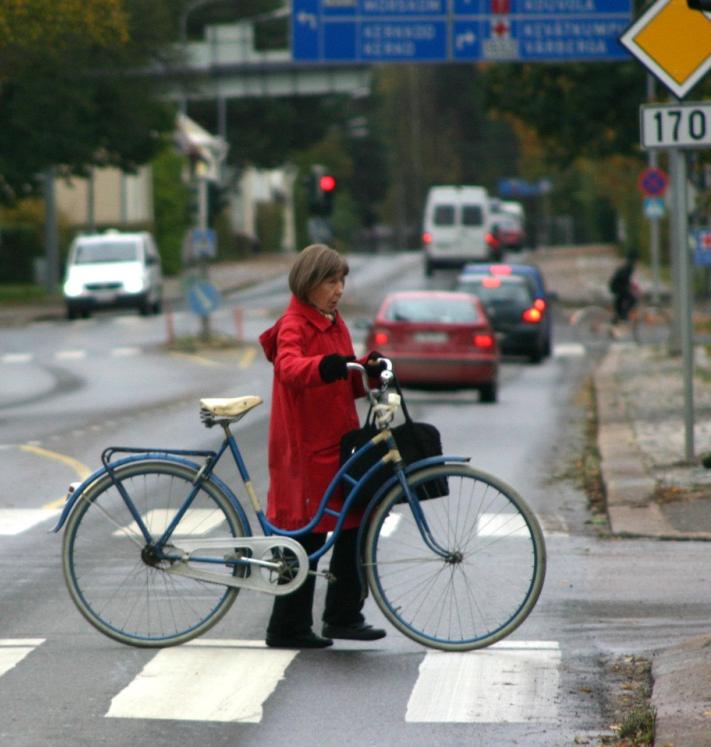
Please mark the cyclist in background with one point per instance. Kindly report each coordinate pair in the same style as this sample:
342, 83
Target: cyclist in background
624, 289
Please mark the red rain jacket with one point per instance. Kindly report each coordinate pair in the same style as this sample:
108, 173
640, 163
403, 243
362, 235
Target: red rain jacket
308, 417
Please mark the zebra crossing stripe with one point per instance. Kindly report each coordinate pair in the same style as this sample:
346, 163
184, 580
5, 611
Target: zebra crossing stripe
14, 650
18, 520
510, 682
209, 680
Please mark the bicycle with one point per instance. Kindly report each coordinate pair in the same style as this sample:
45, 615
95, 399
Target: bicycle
647, 323
157, 547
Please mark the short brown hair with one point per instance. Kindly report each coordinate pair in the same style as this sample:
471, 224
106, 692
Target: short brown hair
314, 264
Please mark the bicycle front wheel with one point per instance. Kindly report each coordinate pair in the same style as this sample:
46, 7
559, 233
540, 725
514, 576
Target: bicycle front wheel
119, 586
483, 580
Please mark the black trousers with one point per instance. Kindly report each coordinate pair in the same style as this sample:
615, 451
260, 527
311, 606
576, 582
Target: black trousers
292, 614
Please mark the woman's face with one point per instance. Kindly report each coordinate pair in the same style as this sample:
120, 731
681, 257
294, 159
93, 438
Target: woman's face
326, 295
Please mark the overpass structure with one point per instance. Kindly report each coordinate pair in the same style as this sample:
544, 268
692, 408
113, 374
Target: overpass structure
226, 65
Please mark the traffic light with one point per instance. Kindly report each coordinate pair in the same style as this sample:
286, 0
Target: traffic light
322, 188
699, 5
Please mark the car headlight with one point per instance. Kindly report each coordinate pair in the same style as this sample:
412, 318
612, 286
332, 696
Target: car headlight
73, 288
133, 285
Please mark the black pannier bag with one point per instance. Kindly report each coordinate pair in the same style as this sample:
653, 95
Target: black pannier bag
414, 440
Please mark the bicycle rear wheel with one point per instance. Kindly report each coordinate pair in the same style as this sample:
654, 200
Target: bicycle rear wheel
591, 326
488, 581
117, 585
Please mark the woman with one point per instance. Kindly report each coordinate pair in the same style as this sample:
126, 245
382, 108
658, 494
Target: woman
313, 405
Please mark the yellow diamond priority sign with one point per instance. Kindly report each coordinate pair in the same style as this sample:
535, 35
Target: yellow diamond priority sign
673, 43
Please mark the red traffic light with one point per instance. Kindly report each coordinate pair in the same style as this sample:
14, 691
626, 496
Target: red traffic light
327, 183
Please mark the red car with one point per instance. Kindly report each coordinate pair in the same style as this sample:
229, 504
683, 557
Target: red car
438, 338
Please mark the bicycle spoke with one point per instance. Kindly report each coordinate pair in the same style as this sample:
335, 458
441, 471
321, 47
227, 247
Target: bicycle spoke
484, 585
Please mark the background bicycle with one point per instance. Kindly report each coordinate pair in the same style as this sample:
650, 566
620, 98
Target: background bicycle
648, 323
157, 546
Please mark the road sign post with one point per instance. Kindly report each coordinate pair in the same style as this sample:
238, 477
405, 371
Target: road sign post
674, 43
678, 127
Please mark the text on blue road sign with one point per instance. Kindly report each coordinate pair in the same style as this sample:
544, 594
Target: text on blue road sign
435, 30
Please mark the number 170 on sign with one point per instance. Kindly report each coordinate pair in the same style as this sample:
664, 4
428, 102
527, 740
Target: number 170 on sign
685, 125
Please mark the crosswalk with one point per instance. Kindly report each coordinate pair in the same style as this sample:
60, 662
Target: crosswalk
560, 351
231, 680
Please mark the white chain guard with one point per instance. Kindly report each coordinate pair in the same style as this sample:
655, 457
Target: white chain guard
261, 565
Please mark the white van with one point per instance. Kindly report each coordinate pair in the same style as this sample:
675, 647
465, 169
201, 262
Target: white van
113, 269
455, 226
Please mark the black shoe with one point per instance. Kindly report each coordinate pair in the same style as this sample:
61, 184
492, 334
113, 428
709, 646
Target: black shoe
299, 640
358, 631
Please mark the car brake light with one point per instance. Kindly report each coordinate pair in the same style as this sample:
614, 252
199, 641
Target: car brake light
381, 338
486, 342
532, 315
488, 282
426, 237
500, 269
540, 304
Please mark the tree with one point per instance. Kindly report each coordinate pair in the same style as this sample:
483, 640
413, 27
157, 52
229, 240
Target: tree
71, 89
577, 109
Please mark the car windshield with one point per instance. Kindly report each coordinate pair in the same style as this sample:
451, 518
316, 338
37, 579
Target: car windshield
108, 251
489, 291
446, 310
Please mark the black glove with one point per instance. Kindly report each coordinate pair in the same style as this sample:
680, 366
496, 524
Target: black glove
372, 365
333, 367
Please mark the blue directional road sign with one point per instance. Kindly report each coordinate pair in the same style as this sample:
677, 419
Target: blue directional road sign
203, 297
459, 30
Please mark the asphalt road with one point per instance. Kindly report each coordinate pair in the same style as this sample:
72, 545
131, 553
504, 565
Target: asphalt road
72, 389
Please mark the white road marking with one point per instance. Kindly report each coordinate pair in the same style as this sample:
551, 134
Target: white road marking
14, 650
211, 680
17, 520
70, 355
501, 525
568, 350
16, 358
511, 682
197, 522
125, 352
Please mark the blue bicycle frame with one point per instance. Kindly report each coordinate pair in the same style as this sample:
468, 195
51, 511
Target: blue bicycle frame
205, 472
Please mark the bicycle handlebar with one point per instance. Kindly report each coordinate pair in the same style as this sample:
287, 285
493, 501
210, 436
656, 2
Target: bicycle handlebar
386, 377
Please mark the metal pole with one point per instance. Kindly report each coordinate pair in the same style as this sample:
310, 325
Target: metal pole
51, 233
674, 344
685, 292
653, 221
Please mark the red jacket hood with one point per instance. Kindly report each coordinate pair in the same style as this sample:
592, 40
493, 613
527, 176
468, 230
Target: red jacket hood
268, 338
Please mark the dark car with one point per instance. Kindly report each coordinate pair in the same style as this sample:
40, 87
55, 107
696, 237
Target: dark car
515, 312
438, 338
534, 277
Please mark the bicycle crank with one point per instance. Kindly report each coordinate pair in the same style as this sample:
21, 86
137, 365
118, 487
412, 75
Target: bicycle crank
276, 565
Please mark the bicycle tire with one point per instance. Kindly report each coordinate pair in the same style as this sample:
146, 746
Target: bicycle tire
591, 326
651, 325
124, 595
488, 585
